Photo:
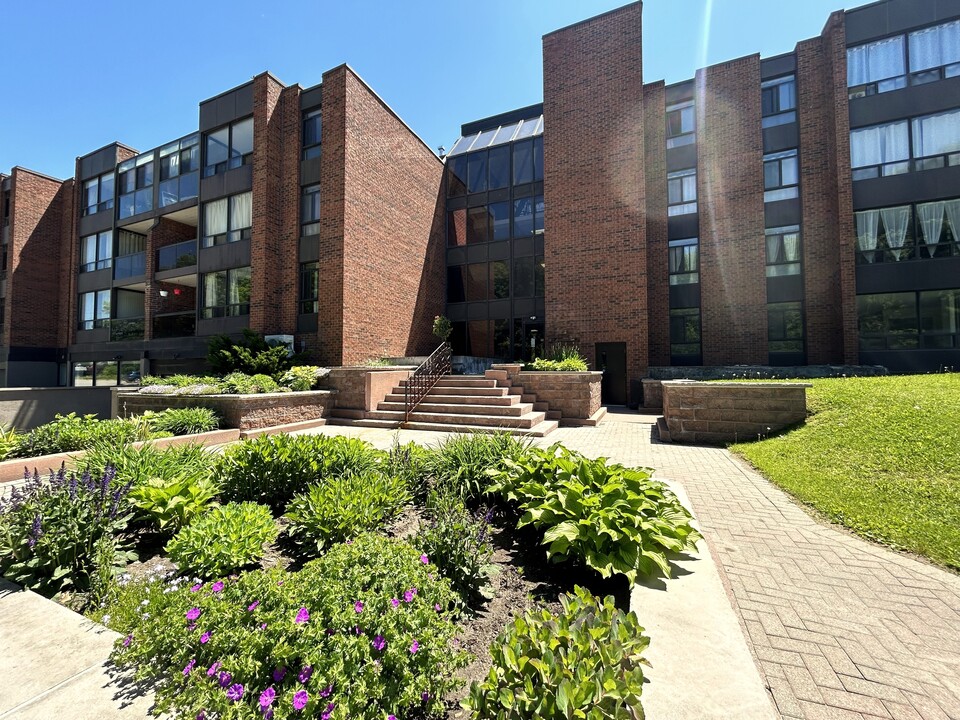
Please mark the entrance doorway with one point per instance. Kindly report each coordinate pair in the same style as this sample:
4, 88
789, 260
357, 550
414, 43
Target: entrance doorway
612, 360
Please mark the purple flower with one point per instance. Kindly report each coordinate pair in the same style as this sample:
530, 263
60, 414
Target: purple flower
379, 643
395, 602
192, 626
212, 670
225, 678
279, 673
217, 587
268, 715
267, 697
414, 647
188, 668
193, 613
300, 700
326, 691
409, 594
329, 711
194, 589
358, 607
205, 638
235, 693
202, 715
305, 674
391, 717
263, 626
357, 630
253, 606
437, 607
302, 616
425, 697
424, 559
127, 640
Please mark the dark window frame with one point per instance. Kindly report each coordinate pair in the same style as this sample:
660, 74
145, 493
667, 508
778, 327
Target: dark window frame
774, 113
242, 233
312, 150
228, 309
676, 135
779, 338
101, 204
309, 288
210, 169
782, 190
792, 267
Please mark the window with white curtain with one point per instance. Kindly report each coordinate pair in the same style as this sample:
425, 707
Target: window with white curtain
783, 250
682, 192
876, 67
937, 138
781, 176
935, 52
885, 235
778, 101
880, 150
226, 293
684, 261
681, 124
228, 219
939, 228
241, 217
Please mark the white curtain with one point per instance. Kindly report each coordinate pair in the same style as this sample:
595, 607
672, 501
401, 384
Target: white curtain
953, 217
773, 250
950, 42
690, 187
875, 61
676, 259
895, 221
931, 222
867, 224
936, 134
215, 217
791, 247
879, 144
241, 211
935, 46
130, 242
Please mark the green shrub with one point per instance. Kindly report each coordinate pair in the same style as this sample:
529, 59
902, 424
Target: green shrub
340, 508
331, 632
184, 421
170, 504
49, 529
68, 433
178, 381
568, 365
303, 377
225, 539
442, 327
10, 440
460, 465
614, 519
251, 355
137, 464
585, 662
458, 543
239, 384
271, 469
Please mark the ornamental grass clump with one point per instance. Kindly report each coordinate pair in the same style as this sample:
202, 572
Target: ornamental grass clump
67, 433
50, 527
365, 632
583, 662
460, 465
614, 519
225, 539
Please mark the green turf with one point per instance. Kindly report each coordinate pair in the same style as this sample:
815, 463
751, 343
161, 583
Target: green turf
879, 455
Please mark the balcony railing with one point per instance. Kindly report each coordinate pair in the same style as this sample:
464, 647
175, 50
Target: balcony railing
182, 254
170, 325
126, 329
129, 265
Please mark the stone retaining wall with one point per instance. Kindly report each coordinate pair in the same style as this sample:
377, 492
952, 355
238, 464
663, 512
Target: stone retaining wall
575, 395
722, 412
363, 388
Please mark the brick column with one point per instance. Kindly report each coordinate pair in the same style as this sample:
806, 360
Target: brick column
658, 275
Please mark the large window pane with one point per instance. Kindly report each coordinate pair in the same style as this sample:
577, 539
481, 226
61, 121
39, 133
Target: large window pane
478, 225
875, 61
500, 279
523, 280
500, 220
309, 287
241, 142
685, 331
523, 217
879, 144
936, 134
940, 318
499, 167
523, 162
218, 143
456, 284
477, 172
785, 327
457, 228
934, 47
888, 321
476, 282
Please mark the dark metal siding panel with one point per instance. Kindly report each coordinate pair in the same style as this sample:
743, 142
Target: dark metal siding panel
936, 274
311, 98
309, 249
774, 67
781, 137
310, 171
680, 92
683, 226
781, 213
222, 326
97, 280
681, 158
939, 184
685, 296
906, 103
98, 222
224, 257
787, 288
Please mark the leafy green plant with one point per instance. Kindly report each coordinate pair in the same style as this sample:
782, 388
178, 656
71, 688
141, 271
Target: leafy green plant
461, 464
563, 357
137, 464
458, 543
239, 384
584, 662
184, 421
271, 469
614, 519
178, 381
170, 504
442, 327
67, 433
227, 538
340, 508
303, 377
411, 462
9, 442
251, 355
364, 632
375, 362
49, 529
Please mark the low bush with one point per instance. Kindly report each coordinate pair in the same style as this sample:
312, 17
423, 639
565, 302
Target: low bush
612, 518
239, 384
138, 464
584, 662
303, 377
458, 543
223, 540
363, 632
10, 440
178, 381
271, 469
170, 504
340, 508
251, 355
184, 421
460, 465
68, 433
563, 357
49, 528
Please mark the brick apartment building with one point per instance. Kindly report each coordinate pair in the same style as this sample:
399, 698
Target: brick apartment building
802, 209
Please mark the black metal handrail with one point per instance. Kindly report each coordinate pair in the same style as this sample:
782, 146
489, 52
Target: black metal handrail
424, 378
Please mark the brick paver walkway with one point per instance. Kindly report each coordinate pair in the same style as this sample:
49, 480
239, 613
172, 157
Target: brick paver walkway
840, 627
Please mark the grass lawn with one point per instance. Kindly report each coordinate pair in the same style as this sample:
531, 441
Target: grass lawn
879, 455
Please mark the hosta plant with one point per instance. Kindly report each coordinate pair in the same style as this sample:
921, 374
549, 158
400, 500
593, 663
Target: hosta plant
170, 504
303, 377
225, 539
612, 518
584, 662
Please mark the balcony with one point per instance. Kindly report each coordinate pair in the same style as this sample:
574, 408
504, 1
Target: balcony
133, 265
126, 329
181, 255
172, 325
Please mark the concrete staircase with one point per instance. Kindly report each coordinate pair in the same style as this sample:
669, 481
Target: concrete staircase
460, 403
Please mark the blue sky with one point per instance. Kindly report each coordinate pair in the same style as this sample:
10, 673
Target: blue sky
136, 71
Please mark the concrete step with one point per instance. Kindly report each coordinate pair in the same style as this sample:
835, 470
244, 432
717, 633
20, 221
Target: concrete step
438, 396
456, 419
429, 406
662, 432
364, 422
496, 375
464, 390
346, 414
462, 381
539, 430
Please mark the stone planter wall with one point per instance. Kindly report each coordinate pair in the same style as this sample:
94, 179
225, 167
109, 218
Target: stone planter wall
722, 412
363, 388
244, 412
575, 395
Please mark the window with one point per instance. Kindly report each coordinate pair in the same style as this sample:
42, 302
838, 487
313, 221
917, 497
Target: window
477, 172
939, 225
778, 99
229, 147
498, 163
884, 235
780, 176
226, 293
310, 210
94, 309
527, 216
179, 163
96, 252
681, 124
783, 251
935, 53
528, 161
684, 261
785, 327
228, 219
940, 319
880, 150
309, 288
312, 126
98, 194
499, 280
456, 176
528, 276
876, 67
499, 220
888, 321
936, 139
682, 192
136, 185
131, 257
685, 332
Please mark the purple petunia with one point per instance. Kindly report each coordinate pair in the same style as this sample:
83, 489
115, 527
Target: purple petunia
300, 700
391, 717
195, 588
379, 643
425, 697
188, 668
267, 697
268, 714
205, 638
193, 613
414, 647
202, 715
409, 595
263, 626
217, 586
395, 602
127, 640
358, 607
253, 606
302, 616
437, 607
235, 693
279, 673
213, 669
424, 559
328, 712
225, 678
326, 691
305, 674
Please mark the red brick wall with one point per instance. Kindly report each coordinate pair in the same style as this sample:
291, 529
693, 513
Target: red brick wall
165, 232
658, 275
67, 272
730, 202
594, 195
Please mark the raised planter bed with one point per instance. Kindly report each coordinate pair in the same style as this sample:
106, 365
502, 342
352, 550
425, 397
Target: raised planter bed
363, 388
575, 395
